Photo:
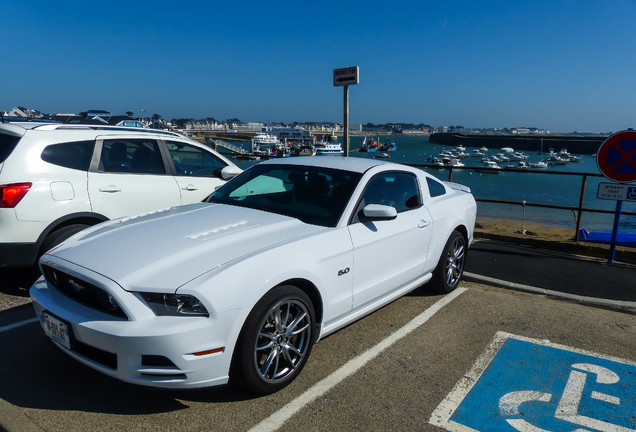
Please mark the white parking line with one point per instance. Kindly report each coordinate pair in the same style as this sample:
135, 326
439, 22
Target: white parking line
18, 324
277, 419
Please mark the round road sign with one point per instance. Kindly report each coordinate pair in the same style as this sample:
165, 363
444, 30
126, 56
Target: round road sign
616, 158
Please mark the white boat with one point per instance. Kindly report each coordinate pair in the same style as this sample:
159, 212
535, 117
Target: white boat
455, 163
507, 150
460, 148
555, 159
490, 167
519, 156
521, 165
539, 164
328, 148
502, 157
477, 153
435, 161
263, 144
564, 154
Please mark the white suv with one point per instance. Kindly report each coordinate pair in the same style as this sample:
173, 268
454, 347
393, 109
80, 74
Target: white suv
57, 179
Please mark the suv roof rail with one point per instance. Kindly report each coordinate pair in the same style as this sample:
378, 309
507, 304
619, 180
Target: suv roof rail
61, 126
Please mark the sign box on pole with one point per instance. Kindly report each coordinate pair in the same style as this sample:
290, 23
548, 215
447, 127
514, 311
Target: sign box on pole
346, 76
616, 192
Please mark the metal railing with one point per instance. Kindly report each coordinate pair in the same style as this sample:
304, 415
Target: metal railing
234, 149
578, 209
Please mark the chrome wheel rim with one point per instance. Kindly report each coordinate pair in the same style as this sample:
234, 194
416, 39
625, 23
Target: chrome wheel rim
455, 262
283, 340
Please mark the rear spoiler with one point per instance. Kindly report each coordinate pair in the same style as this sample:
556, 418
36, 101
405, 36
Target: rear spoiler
457, 186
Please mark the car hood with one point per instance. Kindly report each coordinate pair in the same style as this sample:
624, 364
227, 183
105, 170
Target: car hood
160, 251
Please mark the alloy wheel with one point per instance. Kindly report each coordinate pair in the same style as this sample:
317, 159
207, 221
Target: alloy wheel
283, 340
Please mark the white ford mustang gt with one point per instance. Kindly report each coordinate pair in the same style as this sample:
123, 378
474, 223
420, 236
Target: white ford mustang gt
241, 286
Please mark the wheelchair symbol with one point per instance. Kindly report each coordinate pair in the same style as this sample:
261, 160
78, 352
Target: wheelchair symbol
568, 407
631, 193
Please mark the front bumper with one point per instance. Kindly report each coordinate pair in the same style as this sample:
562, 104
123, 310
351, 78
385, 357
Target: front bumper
156, 351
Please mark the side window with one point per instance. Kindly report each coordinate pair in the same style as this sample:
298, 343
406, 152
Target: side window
7, 144
193, 161
75, 155
398, 190
435, 187
131, 156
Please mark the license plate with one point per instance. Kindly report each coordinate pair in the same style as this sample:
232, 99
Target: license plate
56, 330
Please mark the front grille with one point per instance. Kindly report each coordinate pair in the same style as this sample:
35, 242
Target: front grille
100, 356
83, 292
156, 360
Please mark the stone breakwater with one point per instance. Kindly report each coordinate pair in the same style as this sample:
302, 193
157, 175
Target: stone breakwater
578, 144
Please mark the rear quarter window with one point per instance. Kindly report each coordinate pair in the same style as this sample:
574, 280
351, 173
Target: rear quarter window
435, 188
74, 155
7, 144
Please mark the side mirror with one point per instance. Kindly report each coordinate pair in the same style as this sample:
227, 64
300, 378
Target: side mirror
379, 212
230, 171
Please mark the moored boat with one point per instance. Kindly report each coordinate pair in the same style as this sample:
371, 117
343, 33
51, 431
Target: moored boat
521, 165
539, 164
264, 144
328, 148
490, 167
369, 145
388, 146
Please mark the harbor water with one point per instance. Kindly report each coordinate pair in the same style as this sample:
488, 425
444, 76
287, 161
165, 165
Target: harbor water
513, 186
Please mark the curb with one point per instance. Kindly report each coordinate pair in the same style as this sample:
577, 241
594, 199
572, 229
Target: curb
619, 305
14, 420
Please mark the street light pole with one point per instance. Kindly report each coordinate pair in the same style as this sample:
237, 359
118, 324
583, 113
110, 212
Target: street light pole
344, 78
346, 121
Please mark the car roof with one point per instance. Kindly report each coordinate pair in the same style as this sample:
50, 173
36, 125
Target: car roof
53, 126
354, 164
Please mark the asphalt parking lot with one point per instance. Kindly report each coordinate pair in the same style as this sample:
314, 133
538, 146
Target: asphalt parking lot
402, 368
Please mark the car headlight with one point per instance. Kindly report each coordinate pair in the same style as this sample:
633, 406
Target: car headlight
174, 304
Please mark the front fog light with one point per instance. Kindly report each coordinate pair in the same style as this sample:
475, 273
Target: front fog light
174, 304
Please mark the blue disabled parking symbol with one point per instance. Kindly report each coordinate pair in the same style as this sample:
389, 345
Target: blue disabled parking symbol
527, 385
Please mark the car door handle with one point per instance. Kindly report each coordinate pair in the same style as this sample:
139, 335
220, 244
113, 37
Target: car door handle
423, 223
110, 189
190, 187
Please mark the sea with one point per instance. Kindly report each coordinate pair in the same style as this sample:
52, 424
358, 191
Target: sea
513, 186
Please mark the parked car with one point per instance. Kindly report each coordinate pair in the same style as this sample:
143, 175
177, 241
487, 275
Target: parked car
58, 179
241, 286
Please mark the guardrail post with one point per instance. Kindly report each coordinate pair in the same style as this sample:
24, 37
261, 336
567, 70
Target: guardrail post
579, 213
523, 217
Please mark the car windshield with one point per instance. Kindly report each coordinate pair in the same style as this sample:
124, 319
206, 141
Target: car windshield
314, 195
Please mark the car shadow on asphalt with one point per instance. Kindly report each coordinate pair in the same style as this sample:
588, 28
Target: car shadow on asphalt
37, 375
17, 281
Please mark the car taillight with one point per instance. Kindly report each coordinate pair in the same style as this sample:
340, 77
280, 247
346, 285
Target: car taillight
11, 194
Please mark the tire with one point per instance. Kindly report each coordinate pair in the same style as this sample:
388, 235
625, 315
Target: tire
59, 235
450, 268
268, 355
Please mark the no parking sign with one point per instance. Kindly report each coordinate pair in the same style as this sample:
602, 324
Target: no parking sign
616, 158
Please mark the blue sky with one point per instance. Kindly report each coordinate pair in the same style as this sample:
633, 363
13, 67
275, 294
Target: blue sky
560, 65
